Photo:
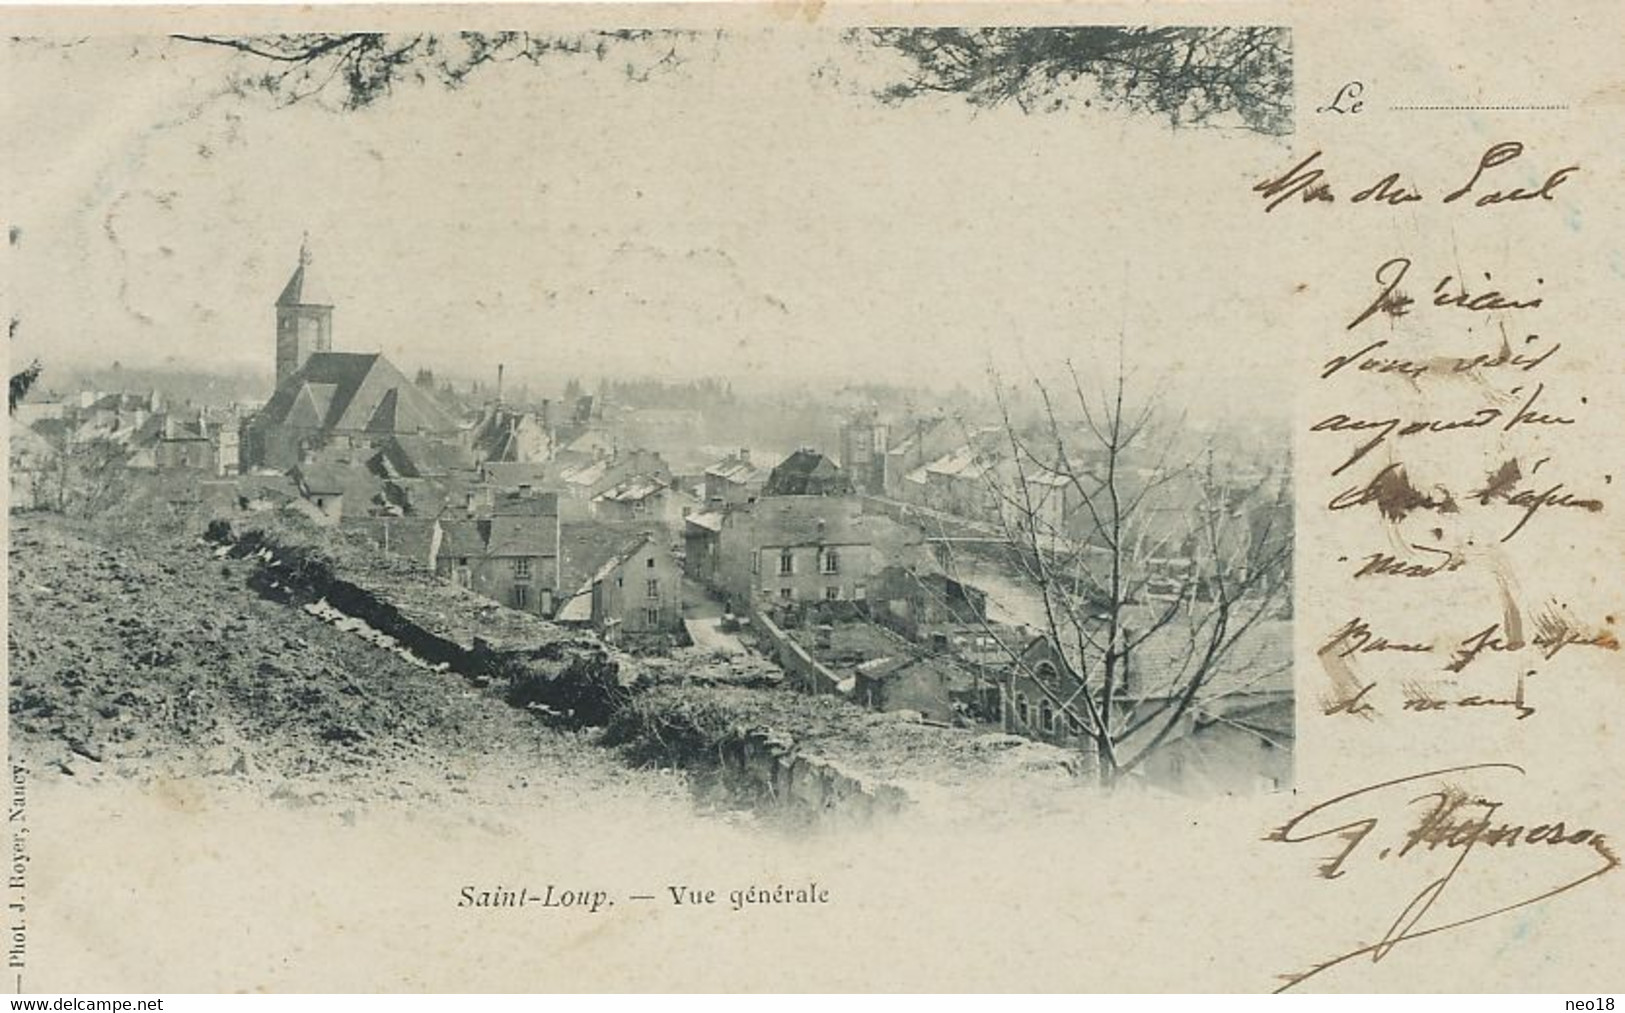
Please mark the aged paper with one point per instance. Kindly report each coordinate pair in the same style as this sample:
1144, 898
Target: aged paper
1006, 497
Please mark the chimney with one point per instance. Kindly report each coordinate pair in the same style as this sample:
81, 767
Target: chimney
499, 382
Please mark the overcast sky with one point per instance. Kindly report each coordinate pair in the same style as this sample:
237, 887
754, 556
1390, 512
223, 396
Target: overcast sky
755, 211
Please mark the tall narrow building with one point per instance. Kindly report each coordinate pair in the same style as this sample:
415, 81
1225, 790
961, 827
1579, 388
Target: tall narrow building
304, 319
332, 401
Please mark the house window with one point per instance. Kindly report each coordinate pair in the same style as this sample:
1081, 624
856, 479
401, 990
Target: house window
639, 506
1046, 716
521, 568
787, 563
832, 593
653, 590
787, 593
1021, 708
649, 563
831, 561
1073, 723
521, 596
652, 616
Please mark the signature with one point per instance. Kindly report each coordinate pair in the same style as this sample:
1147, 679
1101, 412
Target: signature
1454, 820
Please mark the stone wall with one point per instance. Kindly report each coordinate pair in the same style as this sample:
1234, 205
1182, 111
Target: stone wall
529, 660
803, 671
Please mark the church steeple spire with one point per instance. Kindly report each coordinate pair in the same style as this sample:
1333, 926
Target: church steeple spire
304, 318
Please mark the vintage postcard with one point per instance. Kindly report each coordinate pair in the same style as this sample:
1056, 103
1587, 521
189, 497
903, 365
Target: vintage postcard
774, 497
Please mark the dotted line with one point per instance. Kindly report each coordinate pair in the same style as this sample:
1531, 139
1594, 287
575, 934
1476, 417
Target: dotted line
1501, 108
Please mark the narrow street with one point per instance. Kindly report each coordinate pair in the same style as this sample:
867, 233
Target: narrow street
702, 616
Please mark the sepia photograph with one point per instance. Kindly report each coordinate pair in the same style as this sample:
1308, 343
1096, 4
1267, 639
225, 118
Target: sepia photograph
778, 500
680, 456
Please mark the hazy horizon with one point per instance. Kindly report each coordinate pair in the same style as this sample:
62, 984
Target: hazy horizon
754, 214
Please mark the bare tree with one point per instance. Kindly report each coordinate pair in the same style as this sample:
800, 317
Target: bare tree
361, 68
1152, 570
1191, 75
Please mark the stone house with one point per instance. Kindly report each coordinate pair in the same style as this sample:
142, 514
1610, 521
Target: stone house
807, 473
789, 549
635, 590
930, 686
192, 444
638, 591
641, 497
733, 481
702, 534
336, 488
510, 556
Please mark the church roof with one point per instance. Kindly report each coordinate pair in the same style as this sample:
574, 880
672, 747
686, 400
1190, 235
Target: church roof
354, 392
303, 289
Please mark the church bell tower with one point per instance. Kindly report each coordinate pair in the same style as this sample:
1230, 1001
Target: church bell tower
304, 319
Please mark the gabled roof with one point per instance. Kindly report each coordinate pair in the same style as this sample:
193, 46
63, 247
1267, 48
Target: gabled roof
625, 552
522, 535
578, 607
964, 462
633, 490
587, 475
311, 405
354, 392
525, 526
737, 470
587, 545
509, 435
408, 537
413, 456
807, 473
461, 538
